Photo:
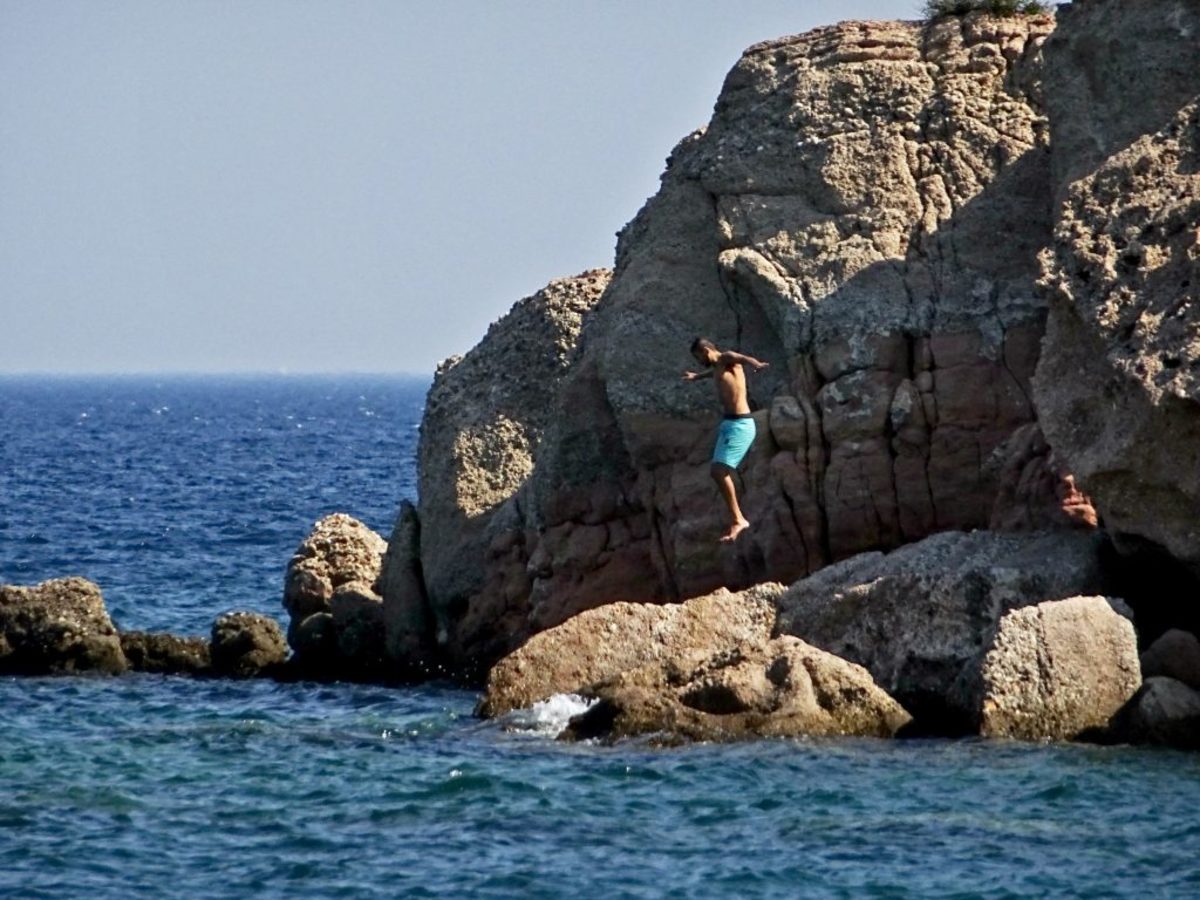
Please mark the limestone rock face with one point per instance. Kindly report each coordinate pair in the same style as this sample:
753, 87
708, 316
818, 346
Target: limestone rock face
863, 212
1058, 669
56, 627
783, 688
247, 645
1118, 386
330, 590
600, 644
485, 417
166, 654
919, 617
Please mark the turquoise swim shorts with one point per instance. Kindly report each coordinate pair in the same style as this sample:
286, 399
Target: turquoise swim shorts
734, 440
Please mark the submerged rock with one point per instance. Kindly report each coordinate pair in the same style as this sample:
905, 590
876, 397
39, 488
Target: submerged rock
166, 654
56, 627
919, 617
247, 645
1057, 670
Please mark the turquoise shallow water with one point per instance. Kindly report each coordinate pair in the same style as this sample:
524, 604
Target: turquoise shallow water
148, 787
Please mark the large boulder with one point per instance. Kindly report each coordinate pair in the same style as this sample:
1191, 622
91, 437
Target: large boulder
1118, 386
331, 592
600, 644
918, 618
783, 688
58, 626
1057, 670
485, 417
864, 212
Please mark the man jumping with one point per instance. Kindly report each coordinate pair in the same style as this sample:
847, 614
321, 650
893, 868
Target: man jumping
737, 427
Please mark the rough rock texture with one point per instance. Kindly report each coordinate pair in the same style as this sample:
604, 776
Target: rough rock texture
58, 626
1034, 491
784, 688
864, 212
330, 591
919, 617
1164, 711
166, 654
1118, 387
485, 417
1174, 655
599, 644
1058, 669
408, 621
247, 645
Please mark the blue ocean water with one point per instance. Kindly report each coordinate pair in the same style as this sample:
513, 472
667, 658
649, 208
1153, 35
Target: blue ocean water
185, 497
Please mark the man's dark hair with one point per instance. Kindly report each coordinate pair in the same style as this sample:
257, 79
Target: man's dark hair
701, 343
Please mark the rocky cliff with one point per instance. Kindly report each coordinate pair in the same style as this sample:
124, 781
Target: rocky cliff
888, 213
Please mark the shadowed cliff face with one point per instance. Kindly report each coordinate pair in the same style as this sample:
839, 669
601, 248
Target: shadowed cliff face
864, 212
1119, 382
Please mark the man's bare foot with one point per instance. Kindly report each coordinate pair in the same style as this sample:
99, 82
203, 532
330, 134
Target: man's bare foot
734, 530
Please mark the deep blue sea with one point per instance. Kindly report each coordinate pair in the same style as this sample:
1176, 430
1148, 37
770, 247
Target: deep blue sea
184, 497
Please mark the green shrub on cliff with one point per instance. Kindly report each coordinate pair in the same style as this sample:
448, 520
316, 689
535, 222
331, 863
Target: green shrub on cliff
935, 9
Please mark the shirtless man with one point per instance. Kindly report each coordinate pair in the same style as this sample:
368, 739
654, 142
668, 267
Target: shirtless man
737, 427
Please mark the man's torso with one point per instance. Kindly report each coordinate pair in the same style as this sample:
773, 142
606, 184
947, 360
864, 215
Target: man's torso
731, 389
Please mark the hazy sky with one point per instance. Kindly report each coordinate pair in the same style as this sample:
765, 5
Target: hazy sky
361, 185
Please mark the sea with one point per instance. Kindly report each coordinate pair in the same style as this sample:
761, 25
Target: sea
184, 497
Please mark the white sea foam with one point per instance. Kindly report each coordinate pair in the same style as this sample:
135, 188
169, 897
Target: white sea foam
549, 717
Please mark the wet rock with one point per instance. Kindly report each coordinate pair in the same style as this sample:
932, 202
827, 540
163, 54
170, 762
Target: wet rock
1174, 655
1057, 670
919, 617
166, 654
407, 618
56, 627
247, 645
1164, 711
784, 688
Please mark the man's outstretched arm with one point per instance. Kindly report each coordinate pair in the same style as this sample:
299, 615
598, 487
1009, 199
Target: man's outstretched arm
730, 357
696, 376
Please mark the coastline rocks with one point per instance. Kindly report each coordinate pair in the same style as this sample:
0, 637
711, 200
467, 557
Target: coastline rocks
1164, 711
863, 212
919, 617
784, 688
336, 626
600, 644
1057, 670
247, 645
407, 620
56, 627
1118, 385
1176, 654
485, 417
166, 654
